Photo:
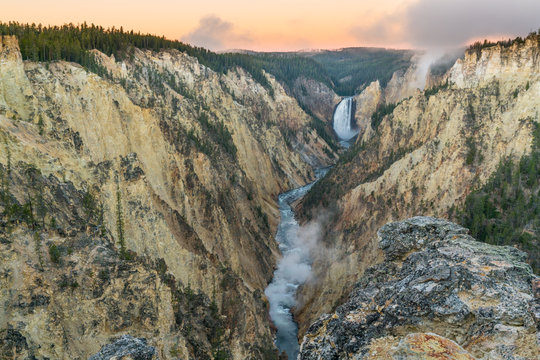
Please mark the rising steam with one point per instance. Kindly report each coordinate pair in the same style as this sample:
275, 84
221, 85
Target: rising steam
296, 244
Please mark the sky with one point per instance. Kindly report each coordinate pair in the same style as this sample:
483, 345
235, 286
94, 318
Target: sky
285, 25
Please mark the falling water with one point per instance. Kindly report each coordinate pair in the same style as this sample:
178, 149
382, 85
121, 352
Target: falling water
293, 270
343, 120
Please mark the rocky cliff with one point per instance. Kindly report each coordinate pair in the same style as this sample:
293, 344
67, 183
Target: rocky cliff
438, 294
424, 158
317, 97
366, 103
403, 84
142, 201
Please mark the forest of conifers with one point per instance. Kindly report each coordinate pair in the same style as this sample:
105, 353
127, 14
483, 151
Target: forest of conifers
506, 210
345, 71
73, 42
352, 68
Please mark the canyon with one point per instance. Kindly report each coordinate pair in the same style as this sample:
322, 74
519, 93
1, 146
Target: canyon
198, 213
140, 207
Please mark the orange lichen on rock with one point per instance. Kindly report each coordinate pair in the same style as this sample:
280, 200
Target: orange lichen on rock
431, 347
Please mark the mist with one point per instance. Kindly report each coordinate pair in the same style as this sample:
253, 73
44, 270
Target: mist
297, 244
442, 24
434, 61
423, 65
293, 270
441, 29
450, 24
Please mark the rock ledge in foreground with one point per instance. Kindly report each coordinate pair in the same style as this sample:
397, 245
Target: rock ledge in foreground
438, 294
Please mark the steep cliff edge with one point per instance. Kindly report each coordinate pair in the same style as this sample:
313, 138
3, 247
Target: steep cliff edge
159, 160
438, 294
317, 97
424, 158
403, 84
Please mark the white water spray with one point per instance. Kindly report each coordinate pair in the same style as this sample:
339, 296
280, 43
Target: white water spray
343, 120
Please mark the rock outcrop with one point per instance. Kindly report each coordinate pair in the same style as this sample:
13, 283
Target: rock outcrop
515, 63
424, 158
402, 85
365, 105
124, 348
438, 294
317, 97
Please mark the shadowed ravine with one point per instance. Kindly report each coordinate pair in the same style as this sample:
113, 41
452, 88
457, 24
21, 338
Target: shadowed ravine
293, 270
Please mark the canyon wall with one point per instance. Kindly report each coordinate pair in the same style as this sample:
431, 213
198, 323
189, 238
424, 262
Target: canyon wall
424, 158
156, 184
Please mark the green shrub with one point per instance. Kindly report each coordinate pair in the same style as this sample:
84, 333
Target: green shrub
471, 151
55, 254
434, 90
380, 113
104, 274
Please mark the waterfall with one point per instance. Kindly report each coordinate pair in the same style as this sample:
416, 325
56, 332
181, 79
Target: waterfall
343, 120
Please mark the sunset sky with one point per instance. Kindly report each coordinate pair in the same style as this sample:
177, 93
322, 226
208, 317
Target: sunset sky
295, 24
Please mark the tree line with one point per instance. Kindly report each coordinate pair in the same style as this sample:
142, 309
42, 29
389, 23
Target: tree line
478, 46
351, 69
71, 42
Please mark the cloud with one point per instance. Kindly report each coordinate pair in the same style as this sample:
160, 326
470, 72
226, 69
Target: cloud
215, 33
448, 24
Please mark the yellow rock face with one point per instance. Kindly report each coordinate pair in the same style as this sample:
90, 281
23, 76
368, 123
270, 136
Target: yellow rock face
366, 103
187, 198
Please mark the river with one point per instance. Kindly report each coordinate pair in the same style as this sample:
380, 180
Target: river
293, 270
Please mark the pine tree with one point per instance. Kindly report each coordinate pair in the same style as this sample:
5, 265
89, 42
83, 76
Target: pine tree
40, 125
37, 241
120, 222
41, 208
89, 205
101, 221
8, 152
